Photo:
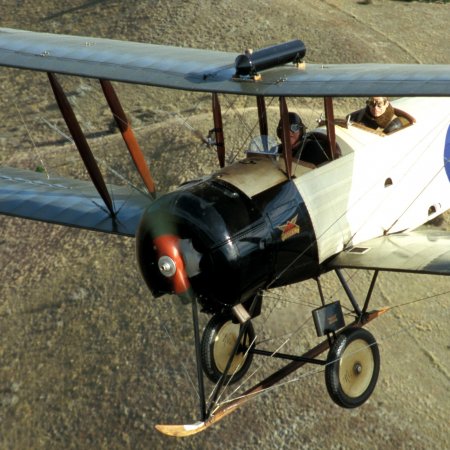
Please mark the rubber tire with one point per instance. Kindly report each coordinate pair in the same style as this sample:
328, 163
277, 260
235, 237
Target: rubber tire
352, 369
219, 327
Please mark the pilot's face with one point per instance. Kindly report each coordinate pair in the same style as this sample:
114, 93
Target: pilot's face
295, 133
294, 137
377, 106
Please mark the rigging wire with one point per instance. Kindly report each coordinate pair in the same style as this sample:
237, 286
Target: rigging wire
300, 255
381, 341
417, 196
43, 165
250, 132
92, 95
249, 129
289, 335
185, 370
310, 246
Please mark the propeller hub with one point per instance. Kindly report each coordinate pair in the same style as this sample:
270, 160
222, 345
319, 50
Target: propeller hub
167, 266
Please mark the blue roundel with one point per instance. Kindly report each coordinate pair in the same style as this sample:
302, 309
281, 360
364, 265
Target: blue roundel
447, 153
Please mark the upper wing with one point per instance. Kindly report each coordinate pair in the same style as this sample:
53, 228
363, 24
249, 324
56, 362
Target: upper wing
68, 202
420, 251
211, 71
178, 68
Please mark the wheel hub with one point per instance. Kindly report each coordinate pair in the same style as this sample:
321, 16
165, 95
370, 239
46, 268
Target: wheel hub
356, 367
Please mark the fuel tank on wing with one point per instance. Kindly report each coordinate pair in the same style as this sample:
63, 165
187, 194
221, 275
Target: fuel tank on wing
233, 244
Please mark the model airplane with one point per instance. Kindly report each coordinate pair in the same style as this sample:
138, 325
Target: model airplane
268, 220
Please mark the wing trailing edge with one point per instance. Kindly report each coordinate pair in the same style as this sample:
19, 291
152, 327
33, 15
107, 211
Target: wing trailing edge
421, 251
64, 201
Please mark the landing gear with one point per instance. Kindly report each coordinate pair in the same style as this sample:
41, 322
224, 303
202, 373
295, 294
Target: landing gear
351, 373
218, 342
352, 369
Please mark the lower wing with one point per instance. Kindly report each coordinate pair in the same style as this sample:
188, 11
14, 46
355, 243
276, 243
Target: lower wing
420, 251
64, 201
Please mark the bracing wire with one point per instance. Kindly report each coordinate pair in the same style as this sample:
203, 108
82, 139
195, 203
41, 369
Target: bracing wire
299, 256
250, 131
321, 368
29, 134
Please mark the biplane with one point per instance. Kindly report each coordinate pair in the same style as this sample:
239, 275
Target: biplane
268, 219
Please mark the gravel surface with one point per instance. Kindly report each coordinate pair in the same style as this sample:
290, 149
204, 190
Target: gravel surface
88, 359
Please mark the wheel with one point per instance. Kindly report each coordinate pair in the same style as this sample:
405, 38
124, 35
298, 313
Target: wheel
352, 369
218, 341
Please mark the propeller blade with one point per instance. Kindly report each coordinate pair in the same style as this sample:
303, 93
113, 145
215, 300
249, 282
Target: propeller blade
171, 263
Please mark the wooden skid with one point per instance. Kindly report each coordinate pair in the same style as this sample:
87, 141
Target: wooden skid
197, 427
223, 411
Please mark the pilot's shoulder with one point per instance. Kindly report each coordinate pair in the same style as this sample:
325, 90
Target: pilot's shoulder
401, 120
356, 116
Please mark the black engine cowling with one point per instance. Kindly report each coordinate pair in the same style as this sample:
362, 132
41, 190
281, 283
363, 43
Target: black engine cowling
239, 245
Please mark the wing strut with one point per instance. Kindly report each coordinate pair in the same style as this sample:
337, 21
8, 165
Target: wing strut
331, 134
128, 135
287, 149
81, 142
262, 115
218, 129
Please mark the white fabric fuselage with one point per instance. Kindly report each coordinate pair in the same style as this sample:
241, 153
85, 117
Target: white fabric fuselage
381, 184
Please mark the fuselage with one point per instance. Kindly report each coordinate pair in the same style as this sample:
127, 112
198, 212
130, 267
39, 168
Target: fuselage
382, 184
248, 227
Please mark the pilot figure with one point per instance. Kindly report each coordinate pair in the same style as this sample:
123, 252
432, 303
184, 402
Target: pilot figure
304, 146
379, 115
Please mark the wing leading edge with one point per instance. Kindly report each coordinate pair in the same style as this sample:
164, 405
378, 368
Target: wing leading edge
420, 251
211, 71
68, 202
